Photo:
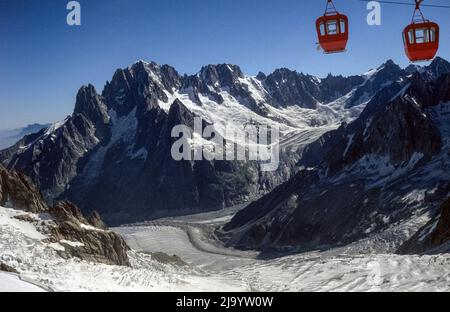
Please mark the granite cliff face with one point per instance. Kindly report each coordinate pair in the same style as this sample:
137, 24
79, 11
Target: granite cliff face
18, 191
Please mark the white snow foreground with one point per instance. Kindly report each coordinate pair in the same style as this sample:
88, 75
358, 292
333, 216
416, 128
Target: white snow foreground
353, 268
10, 282
209, 267
22, 247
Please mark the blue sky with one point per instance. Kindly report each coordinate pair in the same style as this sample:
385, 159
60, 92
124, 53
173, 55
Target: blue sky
43, 61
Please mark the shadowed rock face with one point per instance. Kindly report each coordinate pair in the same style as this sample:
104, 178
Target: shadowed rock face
287, 87
96, 221
360, 176
7, 268
433, 237
51, 159
98, 244
398, 131
90, 104
94, 241
17, 191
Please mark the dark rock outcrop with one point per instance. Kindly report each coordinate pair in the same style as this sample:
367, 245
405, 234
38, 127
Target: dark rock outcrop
92, 244
66, 211
85, 238
288, 87
439, 67
96, 221
7, 268
433, 237
51, 161
17, 191
90, 104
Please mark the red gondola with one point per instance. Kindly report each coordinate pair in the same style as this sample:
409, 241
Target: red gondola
332, 30
421, 37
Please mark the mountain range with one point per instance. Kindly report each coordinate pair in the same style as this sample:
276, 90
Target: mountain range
342, 135
10, 137
380, 176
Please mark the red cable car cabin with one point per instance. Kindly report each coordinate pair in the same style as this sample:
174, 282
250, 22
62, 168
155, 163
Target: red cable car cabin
421, 41
421, 37
332, 30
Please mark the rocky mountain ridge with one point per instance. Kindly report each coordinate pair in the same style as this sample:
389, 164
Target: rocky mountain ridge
388, 166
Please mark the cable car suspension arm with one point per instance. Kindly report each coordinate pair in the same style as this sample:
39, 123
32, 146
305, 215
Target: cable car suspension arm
411, 4
330, 8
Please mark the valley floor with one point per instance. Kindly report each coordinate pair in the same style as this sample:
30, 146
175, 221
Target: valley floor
334, 270
203, 265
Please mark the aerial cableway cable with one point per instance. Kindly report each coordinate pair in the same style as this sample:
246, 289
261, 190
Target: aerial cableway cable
409, 3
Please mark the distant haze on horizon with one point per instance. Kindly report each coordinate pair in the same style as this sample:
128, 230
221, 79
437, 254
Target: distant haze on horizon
43, 61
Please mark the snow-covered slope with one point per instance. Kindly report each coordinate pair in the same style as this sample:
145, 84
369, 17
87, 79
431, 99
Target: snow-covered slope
58, 249
10, 282
24, 248
217, 269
